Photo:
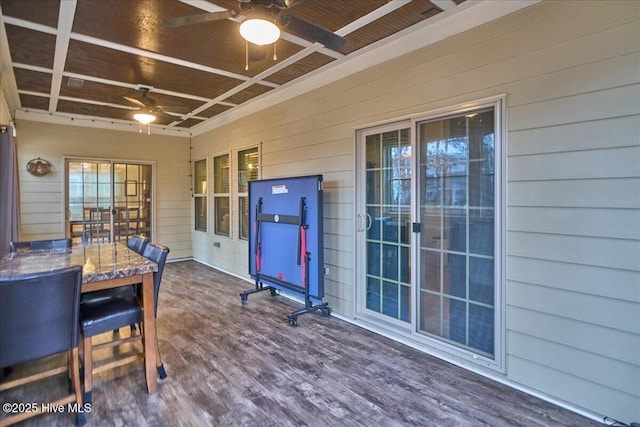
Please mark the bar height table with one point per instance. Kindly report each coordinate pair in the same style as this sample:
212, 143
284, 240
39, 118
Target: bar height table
105, 266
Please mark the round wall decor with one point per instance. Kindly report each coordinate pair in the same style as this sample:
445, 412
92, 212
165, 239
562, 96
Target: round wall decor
38, 167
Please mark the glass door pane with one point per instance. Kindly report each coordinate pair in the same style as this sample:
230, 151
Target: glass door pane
89, 201
107, 202
388, 208
131, 201
456, 195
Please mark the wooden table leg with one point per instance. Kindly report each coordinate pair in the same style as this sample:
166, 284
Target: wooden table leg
149, 327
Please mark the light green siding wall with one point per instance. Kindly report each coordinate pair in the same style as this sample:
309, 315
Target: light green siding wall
571, 72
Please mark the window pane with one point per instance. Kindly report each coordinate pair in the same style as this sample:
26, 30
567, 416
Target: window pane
390, 299
221, 174
481, 335
200, 213
481, 280
200, 177
222, 215
247, 168
373, 294
455, 281
244, 217
430, 270
390, 262
373, 151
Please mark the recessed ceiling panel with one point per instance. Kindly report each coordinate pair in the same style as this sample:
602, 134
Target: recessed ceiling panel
71, 107
247, 94
33, 81
189, 123
213, 111
31, 47
300, 68
32, 102
43, 12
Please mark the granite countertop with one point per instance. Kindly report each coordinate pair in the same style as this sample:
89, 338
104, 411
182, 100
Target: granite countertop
99, 262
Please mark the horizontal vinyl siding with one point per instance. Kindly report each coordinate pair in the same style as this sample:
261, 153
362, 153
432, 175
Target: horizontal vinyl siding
570, 72
574, 388
573, 217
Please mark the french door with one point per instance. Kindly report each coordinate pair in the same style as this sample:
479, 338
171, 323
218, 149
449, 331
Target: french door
428, 229
107, 201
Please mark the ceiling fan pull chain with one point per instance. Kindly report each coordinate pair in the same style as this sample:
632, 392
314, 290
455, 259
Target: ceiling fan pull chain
246, 55
275, 52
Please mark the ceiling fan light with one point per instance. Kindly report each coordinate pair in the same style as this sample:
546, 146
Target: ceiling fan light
259, 31
144, 118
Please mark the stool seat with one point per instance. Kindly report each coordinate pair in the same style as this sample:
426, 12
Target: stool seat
108, 314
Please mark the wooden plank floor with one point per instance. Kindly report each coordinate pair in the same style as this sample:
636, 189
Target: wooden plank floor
235, 365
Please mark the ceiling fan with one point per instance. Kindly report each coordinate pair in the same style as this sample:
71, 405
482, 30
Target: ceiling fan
149, 110
269, 12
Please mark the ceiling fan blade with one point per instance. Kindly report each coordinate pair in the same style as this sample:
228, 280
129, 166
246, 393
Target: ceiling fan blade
311, 32
135, 101
174, 110
291, 3
180, 21
166, 116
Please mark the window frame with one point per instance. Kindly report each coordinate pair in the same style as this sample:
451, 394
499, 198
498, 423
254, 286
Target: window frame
200, 198
217, 228
244, 195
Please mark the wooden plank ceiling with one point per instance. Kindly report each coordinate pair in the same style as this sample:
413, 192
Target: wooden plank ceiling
81, 58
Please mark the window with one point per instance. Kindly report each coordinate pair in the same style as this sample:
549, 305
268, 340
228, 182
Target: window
221, 199
248, 164
200, 194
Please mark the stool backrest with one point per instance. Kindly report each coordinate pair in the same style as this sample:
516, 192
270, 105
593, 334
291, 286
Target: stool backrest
39, 314
138, 243
157, 254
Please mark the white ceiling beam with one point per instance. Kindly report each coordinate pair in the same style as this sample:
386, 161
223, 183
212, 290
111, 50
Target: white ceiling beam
7, 77
65, 23
204, 5
444, 4
30, 25
372, 16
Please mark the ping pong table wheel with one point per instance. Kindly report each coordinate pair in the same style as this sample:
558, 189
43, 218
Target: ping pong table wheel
273, 291
293, 321
325, 312
243, 298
